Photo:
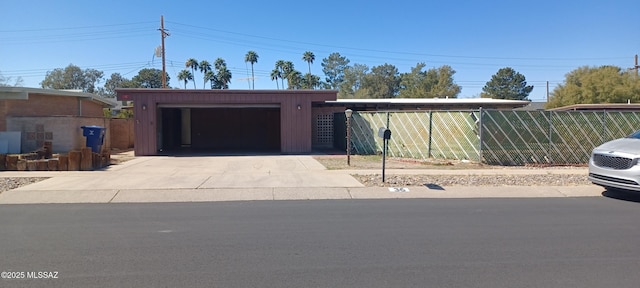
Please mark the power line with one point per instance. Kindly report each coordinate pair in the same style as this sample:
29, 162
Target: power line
395, 52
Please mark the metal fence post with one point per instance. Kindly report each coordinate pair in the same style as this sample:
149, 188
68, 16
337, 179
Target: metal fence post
604, 126
549, 138
480, 128
430, 135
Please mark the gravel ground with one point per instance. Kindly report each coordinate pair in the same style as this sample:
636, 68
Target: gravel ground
473, 180
338, 162
8, 183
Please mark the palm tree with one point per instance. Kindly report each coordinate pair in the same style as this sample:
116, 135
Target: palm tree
295, 79
287, 69
205, 67
309, 58
186, 76
219, 63
224, 77
211, 77
193, 64
251, 57
279, 66
275, 75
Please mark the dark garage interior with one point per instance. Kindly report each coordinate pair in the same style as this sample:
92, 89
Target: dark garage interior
227, 129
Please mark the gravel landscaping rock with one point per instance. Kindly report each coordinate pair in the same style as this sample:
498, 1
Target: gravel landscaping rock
473, 180
8, 183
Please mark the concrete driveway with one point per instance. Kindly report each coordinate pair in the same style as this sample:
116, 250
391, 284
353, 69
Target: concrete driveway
193, 178
156, 172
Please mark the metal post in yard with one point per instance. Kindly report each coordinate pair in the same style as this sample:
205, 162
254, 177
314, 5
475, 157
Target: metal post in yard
430, 135
348, 113
480, 123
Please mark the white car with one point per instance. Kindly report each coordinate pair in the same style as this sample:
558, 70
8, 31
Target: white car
616, 164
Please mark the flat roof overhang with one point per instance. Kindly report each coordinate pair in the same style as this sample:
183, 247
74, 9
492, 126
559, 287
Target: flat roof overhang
599, 107
423, 104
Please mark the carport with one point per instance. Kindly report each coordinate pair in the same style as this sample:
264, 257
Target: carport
244, 121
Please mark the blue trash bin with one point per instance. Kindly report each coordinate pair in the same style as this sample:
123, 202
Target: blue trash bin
95, 137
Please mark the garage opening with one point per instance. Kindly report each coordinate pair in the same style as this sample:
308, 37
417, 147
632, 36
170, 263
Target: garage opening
232, 129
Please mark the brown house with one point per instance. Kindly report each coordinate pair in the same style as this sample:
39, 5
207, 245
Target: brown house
168, 120
30, 116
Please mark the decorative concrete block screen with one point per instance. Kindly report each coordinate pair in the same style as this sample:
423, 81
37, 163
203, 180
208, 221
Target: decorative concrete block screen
492, 137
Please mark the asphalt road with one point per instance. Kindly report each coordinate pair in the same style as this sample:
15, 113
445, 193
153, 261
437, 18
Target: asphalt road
541, 242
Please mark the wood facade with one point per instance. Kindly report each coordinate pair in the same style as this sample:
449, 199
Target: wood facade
294, 107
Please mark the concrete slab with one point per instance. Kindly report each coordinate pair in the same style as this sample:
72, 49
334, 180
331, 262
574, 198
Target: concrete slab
310, 193
478, 192
56, 196
192, 195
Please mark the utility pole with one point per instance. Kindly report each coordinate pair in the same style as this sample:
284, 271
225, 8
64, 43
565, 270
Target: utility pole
547, 91
636, 67
163, 34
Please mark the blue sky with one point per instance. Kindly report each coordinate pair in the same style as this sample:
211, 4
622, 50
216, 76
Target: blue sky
543, 40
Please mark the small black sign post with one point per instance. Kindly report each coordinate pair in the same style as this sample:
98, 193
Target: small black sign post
385, 134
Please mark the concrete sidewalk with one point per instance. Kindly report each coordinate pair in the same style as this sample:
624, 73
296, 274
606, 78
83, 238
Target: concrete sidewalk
240, 178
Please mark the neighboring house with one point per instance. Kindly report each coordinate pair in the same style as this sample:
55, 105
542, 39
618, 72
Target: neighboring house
533, 106
30, 116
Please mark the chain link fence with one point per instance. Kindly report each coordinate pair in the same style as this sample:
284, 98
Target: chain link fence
492, 137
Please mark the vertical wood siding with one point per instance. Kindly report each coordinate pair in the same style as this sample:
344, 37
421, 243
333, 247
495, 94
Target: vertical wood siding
295, 124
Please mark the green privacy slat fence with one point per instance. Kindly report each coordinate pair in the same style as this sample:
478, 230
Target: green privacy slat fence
508, 137
418, 135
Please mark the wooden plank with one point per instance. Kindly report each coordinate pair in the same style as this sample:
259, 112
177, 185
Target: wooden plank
32, 165
74, 160
42, 165
12, 162
3, 162
52, 164
63, 163
21, 165
86, 159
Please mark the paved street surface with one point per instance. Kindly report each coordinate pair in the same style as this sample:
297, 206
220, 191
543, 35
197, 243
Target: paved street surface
534, 242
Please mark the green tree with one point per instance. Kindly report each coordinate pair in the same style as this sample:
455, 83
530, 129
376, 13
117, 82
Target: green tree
251, 57
287, 73
193, 64
210, 76
310, 81
309, 57
592, 85
72, 77
115, 81
280, 66
8, 81
294, 79
204, 67
275, 75
353, 78
382, 82
429, 84
333, 69
507, 84
148, 78
223, 75
186, 76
